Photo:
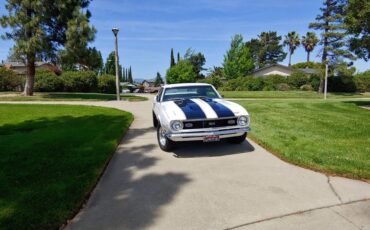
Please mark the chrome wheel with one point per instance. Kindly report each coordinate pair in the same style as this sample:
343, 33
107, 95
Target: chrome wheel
164, 143
162, 136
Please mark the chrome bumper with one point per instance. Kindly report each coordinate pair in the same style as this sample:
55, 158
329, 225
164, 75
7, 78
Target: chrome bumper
199, 136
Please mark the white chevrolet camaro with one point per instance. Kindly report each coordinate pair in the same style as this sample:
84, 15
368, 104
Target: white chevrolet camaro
197, 112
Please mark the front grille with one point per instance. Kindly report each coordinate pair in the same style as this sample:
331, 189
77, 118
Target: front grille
210, 123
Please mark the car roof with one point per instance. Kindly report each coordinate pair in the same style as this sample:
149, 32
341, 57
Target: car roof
185, 84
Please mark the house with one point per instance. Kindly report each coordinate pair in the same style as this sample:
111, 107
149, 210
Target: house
149, 86
147, 83
278, 69
21, 68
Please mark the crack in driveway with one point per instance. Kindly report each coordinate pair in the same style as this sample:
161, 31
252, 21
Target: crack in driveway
299, 212
333, 189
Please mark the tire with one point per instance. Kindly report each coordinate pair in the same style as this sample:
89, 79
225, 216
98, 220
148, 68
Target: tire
238, 140
155, 121
164, 143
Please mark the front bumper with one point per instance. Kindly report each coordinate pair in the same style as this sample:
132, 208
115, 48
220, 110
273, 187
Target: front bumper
199, 135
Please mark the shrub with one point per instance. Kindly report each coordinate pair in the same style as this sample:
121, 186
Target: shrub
306, 87
10, 81
362, 81
314, 81
107, 84
83, 81
272, 81
341, 84
213, 80
283, 87
297, 79
47, 81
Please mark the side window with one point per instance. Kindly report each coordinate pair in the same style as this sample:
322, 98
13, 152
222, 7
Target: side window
211, 93
159, 95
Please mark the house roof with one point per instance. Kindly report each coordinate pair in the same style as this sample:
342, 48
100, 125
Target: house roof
305, 70
274, 65
21, 64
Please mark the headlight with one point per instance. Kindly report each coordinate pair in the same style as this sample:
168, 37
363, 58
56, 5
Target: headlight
243, 121
177, 125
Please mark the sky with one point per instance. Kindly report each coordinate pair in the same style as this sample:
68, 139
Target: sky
150, 28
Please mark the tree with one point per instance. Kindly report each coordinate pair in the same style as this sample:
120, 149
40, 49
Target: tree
237, 60
197, 60
40, 28
86, 59
110, 64
330, 22
130, 79
178, 57
309, 42
158, 80
358, 25
182, 72
292, 41
172, 62
266, 50
124, 78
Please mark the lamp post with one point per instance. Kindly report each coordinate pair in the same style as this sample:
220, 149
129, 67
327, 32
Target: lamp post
326, 80
115, 32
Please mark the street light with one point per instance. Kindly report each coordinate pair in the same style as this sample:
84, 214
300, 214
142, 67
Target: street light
115, 32
326, 80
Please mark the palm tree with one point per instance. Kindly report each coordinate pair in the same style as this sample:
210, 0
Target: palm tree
292, 41
309, 42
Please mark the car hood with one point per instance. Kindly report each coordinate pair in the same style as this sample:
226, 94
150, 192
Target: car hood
201, 109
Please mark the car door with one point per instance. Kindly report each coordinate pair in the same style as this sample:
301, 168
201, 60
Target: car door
157, 101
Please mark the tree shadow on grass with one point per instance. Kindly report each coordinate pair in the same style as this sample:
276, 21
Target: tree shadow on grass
48, 166
359, 103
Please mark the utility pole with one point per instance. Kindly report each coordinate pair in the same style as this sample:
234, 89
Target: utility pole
115, 32
326, 80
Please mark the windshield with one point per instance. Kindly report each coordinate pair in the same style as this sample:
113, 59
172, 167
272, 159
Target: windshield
187, 92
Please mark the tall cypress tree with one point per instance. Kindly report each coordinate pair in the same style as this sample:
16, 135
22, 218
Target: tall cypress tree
178, 57
130, 79
172, 59
330, 22
123, 75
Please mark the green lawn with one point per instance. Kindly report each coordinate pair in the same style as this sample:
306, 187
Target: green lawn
289, 94
331, 136
50, 159
11, 96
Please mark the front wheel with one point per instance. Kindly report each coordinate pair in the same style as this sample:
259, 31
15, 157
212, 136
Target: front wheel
164, 143
238, 140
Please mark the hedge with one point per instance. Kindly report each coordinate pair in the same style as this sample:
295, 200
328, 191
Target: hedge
272, 82
362, 81
47, 81
10, 81
107, 84
82, 81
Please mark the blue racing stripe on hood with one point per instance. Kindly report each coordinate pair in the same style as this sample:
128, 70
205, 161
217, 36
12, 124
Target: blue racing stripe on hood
220, 109
190, 109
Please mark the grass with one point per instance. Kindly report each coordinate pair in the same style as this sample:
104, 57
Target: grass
331, 137
289, 94
11, 96
50, 159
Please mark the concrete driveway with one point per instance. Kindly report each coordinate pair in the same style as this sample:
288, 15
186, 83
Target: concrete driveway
214, 186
